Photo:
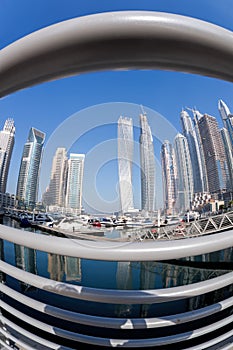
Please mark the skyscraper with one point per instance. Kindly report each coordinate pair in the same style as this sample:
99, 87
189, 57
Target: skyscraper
28, 180
214, 153
7, 140
75, 181
190, 134
184, 173
57, 187
229, 157
227, 118
147, 166
200, 151
125, 161
168, 177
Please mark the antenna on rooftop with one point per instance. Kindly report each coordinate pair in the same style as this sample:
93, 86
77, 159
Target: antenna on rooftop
190, 109
142, 109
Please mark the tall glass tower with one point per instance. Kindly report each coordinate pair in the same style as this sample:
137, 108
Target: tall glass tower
227, 118
7, 140
125, 161
147, 166
229, 157
28, 180
57, 186
200, 151
214, 153
168, 177
75, 182
190, 134
184, 173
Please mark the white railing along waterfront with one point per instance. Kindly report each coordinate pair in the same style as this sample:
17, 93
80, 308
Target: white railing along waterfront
197, 228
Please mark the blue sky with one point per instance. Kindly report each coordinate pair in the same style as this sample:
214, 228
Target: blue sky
48, 105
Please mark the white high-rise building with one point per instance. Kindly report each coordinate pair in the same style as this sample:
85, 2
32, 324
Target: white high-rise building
169, 177
55, 195
7, 140
200, 150
190, 133
75, 182
125, 161
147, 166
28, 180
184, 173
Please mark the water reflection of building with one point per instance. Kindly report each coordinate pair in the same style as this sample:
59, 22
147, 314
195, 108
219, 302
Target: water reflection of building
56, 267
124, 281
64, 268
73, 269
25, 259
2, 275
147, 281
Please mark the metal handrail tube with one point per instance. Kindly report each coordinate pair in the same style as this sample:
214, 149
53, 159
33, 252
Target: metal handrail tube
117, 323
5, 345
112, 296
117, 342
27, 334
209, 344
15, 340
119, 251
111, 41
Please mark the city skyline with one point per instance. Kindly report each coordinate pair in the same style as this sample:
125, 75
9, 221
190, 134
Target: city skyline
210, 141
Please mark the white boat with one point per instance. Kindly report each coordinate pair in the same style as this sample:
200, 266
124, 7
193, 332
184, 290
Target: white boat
42, 219
71, 224
107, 222
139, 223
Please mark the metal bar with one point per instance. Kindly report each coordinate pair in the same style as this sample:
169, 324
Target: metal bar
27, 334
113, 296
119, 251
5, 345
111, 40
128, 343
117, 323
214, 341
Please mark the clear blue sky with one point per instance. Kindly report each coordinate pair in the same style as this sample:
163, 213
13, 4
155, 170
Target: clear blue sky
48, 105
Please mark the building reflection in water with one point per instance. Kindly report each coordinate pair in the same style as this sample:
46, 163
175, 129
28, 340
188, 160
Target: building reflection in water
123, 281
64, 268
25, 259
2, 275
73, 269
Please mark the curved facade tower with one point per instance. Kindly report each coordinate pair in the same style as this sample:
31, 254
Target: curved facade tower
7, 140
147, 166
169, 177
125, 161
190, 134
227, 118
28, 180
229, 157
184, 173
